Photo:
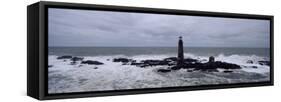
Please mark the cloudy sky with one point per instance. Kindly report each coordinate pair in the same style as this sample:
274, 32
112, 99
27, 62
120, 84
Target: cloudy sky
68, 27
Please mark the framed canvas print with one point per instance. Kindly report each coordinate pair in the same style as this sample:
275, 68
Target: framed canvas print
82, 50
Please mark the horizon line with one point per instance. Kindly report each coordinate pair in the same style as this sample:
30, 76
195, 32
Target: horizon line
166, 46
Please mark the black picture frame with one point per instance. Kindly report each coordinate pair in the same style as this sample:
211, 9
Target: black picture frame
37, 67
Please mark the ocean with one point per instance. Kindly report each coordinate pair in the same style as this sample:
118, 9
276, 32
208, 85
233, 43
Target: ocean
132, 51
64, 77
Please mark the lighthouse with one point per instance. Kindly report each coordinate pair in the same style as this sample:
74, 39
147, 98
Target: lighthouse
180, 52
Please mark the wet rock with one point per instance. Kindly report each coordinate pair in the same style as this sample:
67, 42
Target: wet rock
147, 63
207, 70
189, 70
254, 67
124, 60
135, 63
224, 65
73, 63
203, 60
143, 65
193, 65
155, 62
64, 57
211, 70
190, 60
77, 59
250, 62
171, 59
74, 59
264, 63
163, 70
212, 65
172, 63
227, 71
175, 68
92, 62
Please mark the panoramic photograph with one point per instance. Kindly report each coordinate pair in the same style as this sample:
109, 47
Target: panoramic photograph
90, 50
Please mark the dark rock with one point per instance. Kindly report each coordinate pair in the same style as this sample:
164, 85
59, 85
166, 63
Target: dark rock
207, 69
210, 70
95, 67
250, 62
143, 65
73, 63
224, 65
264, 63
154, 62
77, 58
171, 59
172, 63
163, 70
124, 60
64, 57
50, 66
213, 65
175, 68
189, 70
92, 62
190, 60
135, 63
107, 59
193, 65
227, 71
254, 67
74, 59
203, 60
188, 63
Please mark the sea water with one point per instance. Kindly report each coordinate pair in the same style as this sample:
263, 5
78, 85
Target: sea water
64, 77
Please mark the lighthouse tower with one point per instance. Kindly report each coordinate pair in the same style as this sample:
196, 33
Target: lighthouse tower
180, 52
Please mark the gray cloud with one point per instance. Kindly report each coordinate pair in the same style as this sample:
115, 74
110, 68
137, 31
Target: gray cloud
103, 28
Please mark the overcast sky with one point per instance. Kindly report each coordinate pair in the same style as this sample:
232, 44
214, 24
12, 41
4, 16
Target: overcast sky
68, 27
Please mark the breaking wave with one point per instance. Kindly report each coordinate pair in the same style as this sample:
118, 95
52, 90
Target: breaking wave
64, 77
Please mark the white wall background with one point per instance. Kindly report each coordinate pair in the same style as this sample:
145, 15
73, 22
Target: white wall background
13, 51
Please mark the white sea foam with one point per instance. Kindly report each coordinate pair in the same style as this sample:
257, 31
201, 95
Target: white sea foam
64, 77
